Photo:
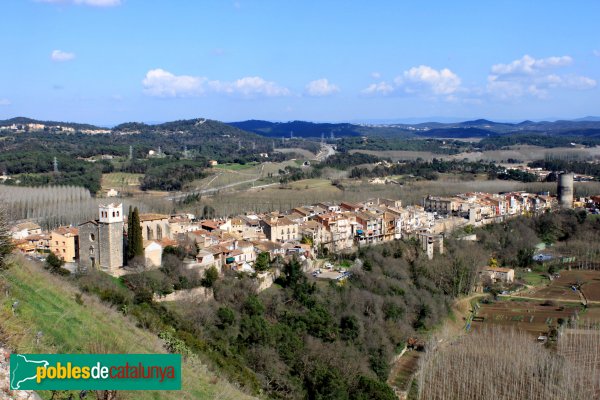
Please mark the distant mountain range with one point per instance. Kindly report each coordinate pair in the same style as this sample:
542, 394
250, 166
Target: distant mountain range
587, 126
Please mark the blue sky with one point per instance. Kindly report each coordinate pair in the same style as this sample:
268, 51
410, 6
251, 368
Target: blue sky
111, 61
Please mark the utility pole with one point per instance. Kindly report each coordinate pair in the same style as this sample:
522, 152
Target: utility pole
239, 145
185, 152
55, 164
130, 153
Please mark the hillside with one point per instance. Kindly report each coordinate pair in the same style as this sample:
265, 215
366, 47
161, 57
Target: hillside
47, 304
25, 120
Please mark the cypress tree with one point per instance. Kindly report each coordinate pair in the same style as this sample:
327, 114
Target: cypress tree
130, 254
137, 240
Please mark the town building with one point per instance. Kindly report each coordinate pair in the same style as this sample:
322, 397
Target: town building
64, 242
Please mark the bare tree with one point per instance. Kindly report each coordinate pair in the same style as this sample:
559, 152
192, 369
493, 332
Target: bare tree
6, 244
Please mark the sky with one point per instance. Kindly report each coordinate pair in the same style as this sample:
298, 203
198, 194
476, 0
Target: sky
112, 61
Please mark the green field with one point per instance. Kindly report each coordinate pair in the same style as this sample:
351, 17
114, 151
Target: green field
235, 167
47, 305
533, 278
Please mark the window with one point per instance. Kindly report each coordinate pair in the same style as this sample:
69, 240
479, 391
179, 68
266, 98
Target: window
91, 250
117, 213
92, 237
56, 242
114, 214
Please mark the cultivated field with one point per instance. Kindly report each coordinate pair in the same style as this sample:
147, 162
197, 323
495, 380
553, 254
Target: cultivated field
529, 316
238, 176
561, 288
122, 182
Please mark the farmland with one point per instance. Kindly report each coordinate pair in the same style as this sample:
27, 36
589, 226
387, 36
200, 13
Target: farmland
533, 317
561, 288
121, 181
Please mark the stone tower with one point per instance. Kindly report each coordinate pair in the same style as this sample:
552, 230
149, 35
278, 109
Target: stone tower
565, 190
101, 241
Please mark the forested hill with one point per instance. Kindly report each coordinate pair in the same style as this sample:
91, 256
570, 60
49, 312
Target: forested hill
188, 128
25, 121
209, 138
298, 128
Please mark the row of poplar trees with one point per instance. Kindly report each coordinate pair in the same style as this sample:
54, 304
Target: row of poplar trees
135, 242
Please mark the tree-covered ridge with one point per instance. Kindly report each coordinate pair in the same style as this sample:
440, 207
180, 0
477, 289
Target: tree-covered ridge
24, 120
385, 144
430, 170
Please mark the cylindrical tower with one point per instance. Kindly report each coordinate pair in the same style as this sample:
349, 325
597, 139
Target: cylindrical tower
565, 190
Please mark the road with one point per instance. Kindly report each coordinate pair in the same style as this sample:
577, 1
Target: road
326, 151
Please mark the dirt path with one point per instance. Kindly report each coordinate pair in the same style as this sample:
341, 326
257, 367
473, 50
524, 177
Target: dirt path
510, 296
452, 329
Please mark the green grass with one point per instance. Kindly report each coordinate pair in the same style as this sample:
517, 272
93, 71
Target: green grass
119, 180
235, 166
533, 278
47, 304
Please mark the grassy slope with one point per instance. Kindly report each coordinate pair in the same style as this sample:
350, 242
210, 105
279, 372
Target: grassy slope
47, 304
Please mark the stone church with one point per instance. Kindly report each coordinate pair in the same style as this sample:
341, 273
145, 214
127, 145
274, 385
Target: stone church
101, 240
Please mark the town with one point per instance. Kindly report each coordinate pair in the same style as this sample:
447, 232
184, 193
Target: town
308, 232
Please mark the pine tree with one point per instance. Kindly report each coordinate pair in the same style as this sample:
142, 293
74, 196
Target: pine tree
137, 242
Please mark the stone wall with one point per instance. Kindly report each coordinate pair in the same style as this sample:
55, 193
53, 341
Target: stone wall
195, 294
85, 242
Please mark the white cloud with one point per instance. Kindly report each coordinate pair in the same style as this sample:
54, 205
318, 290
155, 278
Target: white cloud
321, 87
93, 3
380, 88
422, 80
530, 76
528, 65
375, 75
442, 82
161, 83
5, 102
249, 86
61, 56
